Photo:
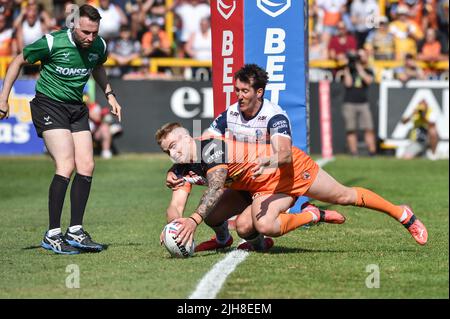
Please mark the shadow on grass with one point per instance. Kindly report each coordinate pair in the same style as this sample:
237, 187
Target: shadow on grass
298, 250
127, 244
92, 251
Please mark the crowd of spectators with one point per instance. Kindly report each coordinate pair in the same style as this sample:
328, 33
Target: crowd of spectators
409, 32
133, 29
405, 31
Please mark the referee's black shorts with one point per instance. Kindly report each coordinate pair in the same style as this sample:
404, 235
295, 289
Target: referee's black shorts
48, 114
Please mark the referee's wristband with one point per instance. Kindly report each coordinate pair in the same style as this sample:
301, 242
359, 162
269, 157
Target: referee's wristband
110, 93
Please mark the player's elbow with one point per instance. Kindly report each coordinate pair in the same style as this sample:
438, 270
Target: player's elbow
284, 157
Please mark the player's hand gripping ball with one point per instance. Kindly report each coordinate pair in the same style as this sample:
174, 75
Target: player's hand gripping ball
175, 248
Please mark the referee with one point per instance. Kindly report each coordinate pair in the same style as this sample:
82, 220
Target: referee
68, 58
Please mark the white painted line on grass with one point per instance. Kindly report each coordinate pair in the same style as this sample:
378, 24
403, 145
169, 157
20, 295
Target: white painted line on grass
212, 282
324, 161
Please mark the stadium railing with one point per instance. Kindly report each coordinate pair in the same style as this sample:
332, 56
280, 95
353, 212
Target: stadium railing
155, 63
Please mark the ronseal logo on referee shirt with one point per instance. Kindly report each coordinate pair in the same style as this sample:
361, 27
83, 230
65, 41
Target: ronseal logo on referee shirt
73, 71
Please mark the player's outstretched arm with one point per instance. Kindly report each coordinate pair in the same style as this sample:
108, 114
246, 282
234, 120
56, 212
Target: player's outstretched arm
176, 208
216, 181
10, 78
282, 154
177, 204
100, 77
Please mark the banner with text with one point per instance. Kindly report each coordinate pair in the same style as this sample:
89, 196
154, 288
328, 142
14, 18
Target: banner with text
275, 37
227, 28
272, 34
17, 134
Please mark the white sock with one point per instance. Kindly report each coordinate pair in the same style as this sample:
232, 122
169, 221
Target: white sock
403, 217
53, 232
75, 228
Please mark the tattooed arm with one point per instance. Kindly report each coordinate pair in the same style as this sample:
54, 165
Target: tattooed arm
216, 182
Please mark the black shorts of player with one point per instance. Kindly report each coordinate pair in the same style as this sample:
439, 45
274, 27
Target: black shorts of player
48, 114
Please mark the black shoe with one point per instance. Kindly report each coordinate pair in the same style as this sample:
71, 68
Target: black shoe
58, 244
81, 239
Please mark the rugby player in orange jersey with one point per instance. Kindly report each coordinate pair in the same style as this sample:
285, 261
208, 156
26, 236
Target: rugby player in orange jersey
227, 163
254, 119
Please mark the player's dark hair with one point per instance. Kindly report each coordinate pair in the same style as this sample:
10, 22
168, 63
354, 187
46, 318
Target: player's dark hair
164, 130
254, 75
90, 12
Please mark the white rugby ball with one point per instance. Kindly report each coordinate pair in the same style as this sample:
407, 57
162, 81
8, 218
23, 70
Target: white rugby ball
170, 241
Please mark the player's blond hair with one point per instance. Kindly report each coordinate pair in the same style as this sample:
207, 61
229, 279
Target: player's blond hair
165, 130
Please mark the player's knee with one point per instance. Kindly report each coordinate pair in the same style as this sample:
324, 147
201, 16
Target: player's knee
65, 167
266, 228
85, 166
345, 197
244, 227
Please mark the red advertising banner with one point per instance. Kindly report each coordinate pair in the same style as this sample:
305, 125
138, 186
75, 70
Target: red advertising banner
227, 26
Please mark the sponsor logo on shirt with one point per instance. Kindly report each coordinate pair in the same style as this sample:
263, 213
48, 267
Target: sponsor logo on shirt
47, 120
72, 71
280, 124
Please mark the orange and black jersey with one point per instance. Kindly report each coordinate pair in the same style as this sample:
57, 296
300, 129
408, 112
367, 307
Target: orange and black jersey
240, 157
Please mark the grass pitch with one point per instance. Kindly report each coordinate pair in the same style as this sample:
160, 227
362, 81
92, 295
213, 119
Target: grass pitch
126, 211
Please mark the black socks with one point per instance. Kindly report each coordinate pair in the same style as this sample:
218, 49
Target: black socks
56, 195
79, 195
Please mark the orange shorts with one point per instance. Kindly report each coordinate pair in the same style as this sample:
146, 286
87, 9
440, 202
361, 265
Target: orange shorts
292, 179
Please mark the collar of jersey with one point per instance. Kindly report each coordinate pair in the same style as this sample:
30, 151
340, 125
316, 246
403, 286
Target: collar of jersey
251, 118
69, 35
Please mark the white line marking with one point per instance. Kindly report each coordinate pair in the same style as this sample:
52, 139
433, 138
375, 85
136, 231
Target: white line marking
324, 161
212, 282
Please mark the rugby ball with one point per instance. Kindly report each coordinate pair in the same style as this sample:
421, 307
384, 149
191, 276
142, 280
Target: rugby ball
175, 248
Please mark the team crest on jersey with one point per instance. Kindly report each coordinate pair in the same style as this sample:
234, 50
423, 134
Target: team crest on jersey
66, 56
259, 134
92, 57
